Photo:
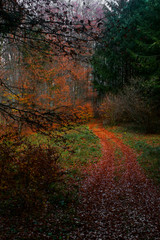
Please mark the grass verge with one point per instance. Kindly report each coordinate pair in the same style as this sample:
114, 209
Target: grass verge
146, 145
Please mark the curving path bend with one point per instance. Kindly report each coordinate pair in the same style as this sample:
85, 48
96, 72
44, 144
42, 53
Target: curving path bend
117, 200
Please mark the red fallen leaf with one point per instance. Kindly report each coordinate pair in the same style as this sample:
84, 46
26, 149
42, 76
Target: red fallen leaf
117, 200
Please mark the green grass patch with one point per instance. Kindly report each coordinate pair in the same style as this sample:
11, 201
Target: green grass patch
147, 147
76, 148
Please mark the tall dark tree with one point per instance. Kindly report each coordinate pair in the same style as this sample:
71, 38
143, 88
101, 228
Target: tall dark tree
130, 46
111, 64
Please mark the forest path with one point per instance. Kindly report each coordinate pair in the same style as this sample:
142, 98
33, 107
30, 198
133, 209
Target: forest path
117, 200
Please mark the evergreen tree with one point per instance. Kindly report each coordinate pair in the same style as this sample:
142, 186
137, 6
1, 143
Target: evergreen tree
130, 47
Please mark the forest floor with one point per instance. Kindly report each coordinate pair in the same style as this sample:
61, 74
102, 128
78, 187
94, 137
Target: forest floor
118, 201
117, 195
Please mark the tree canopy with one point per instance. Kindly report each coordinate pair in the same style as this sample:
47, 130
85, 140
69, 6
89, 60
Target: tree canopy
66, 25
43, 44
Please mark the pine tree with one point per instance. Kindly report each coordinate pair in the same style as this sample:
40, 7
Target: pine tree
130, 47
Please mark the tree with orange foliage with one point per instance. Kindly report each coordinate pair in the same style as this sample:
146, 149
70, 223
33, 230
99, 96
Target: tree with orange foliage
47, 77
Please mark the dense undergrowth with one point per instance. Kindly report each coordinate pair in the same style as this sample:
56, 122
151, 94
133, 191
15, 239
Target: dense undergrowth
40, 177
147, 147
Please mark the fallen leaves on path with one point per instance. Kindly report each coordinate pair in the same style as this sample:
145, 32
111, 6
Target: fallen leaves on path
117, 200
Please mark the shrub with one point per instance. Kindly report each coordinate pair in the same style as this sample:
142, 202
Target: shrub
128, 105
138, 108
79, 114
26, 174
112, 110
83, 113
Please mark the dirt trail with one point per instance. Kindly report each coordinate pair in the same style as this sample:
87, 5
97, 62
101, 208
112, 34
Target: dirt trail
117, 200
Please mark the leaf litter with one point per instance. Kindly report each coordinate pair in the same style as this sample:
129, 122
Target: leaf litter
117, 199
